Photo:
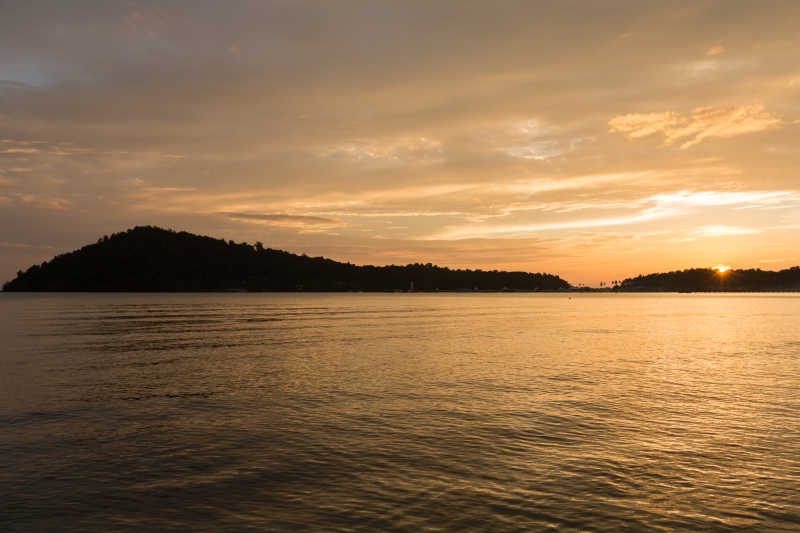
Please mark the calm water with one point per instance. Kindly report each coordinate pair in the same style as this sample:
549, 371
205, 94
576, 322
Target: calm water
399, 412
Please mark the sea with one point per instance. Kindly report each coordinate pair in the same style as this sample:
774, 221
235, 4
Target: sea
399, 412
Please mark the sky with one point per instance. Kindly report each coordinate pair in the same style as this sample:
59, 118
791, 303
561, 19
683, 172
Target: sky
593, 140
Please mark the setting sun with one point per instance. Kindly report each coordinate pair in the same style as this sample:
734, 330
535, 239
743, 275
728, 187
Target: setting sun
721, 268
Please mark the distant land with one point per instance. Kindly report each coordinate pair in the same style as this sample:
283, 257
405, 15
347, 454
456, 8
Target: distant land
148, 258
710, 279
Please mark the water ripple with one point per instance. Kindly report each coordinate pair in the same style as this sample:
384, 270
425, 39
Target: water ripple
400, 413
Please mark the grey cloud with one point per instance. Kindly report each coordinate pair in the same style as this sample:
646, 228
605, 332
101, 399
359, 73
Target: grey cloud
279, 218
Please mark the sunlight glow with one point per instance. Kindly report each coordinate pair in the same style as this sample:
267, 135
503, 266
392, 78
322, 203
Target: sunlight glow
721, 268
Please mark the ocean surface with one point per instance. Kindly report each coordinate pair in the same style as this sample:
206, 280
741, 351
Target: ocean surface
399, 412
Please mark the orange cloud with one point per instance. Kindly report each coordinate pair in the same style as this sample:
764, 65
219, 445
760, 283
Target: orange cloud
284, 219
646, 209
724, 231
44, 202
19, 151
704, 123
396, 151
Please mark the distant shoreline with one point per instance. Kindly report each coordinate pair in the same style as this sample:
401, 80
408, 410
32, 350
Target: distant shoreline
567, 291
152, 259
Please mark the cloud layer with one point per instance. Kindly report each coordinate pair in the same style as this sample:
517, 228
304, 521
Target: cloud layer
589, 140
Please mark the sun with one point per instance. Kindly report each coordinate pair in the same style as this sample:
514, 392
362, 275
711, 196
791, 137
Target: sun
721, 268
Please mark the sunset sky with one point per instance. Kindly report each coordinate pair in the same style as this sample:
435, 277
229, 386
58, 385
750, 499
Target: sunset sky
594, 140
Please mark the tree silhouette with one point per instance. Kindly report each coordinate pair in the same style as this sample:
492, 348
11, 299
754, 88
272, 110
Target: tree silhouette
709, 279
148, 258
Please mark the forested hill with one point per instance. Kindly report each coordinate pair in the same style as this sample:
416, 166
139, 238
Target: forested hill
709, 279
154, 259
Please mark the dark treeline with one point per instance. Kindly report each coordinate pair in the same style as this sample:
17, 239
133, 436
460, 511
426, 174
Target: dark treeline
154, 259
709, 279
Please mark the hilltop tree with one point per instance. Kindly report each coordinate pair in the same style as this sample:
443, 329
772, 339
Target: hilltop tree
153, 259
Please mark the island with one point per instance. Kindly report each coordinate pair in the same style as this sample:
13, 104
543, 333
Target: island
148, 258
714, 280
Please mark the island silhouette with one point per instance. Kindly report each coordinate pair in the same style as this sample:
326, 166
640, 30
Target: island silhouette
148, 258
714, 280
